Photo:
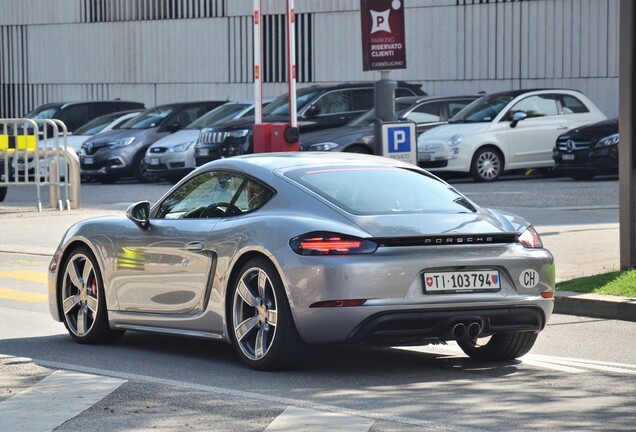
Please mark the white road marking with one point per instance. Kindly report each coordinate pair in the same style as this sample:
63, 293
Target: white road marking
308, 420
68, 393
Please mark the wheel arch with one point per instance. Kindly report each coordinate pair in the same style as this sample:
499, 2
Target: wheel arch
366, 149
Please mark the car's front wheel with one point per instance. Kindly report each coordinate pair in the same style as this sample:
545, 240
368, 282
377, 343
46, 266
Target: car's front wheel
487, 165
81, 293
262, 327
499, 346
141, 172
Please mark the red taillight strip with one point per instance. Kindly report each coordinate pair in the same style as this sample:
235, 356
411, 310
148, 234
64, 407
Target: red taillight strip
348, 170
326, 245
339, 303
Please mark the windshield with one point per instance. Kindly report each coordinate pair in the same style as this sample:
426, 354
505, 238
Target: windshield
96, 125
280, 105
150, 118
370, 190
219, 114
482, 110
46, 113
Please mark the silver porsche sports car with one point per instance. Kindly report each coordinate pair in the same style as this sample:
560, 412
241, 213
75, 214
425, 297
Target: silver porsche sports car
271, 252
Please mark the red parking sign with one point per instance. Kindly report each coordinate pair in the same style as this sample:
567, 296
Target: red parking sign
383, 34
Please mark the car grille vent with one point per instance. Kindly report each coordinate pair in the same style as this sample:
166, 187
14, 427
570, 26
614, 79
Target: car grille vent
158, 150
571, 145
449, 240
212, 137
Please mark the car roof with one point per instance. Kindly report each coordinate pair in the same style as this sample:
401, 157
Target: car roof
416, 87
186, 104
519, 92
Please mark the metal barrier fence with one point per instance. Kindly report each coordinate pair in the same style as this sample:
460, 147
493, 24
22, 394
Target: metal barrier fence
33, 152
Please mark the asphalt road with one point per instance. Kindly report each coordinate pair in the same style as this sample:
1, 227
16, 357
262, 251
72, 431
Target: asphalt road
581, 374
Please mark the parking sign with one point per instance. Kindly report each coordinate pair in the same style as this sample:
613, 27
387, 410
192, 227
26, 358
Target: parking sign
399, 141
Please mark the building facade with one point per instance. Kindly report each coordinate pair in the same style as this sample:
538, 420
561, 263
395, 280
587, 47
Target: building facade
160, 51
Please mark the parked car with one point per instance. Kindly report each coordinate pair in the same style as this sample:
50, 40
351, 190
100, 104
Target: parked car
587, 151
319, 107
75, 140
505, 131
358, 136
273, 251
112, 155
77, 114
172, 157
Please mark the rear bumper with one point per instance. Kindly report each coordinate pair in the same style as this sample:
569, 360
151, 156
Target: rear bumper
420, 326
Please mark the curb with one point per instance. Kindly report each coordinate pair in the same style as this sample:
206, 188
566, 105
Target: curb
595, 306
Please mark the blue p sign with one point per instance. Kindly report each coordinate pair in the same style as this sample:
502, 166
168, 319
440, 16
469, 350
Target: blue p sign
399, 138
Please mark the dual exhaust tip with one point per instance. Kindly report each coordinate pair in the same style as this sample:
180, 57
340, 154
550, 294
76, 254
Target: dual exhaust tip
469, 330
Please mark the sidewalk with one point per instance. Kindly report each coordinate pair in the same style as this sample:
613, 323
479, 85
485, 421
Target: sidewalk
24, 230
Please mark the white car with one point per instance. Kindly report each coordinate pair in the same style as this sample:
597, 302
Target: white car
505, 131
172, 157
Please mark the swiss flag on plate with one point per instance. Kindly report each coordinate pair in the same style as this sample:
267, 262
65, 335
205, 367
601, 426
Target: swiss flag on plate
429, 281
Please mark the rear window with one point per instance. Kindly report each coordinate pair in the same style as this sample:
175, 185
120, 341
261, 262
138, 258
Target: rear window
377, 190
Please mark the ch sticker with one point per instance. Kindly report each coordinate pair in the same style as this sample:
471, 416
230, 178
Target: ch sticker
529, 278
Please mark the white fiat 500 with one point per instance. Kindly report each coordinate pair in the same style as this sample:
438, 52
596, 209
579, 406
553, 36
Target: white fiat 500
505, 131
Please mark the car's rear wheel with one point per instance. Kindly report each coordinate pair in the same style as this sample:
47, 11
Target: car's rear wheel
499, 346
262, 327
81, 293
487, 165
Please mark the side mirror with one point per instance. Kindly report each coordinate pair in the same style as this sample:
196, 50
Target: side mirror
517, 117
312, 111
139, 213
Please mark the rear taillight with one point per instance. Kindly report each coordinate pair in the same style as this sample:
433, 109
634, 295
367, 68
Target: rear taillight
326, 243
530, 238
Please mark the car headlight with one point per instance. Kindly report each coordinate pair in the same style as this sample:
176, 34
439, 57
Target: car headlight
181, 147
530, 238
607, 141
326, 146
121, 142
240, 133
456, 140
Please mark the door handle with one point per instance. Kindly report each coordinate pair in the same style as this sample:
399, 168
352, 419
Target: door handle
194, 246
561, 127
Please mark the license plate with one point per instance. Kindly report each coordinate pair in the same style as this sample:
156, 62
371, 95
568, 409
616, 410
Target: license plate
466, 281
88, 161
425, 156
203, 152
154, 161
567, 157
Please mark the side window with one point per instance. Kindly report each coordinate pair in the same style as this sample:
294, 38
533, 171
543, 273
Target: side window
456, 106
332, 103
252, 196
74, 116
536, 106
426, 113
208, 195
572, 105
361, 99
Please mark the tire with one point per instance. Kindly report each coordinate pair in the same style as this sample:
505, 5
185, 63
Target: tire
358, 149
487, 165
107, 180
3, 193
261, 324
81, 294
141, 173
499, 346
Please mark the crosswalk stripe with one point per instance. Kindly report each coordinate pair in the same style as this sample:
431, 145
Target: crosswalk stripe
26, 275
23, 296
308, 420
69, 393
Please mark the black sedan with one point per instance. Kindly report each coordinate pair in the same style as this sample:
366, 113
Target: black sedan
587, 151
358, 135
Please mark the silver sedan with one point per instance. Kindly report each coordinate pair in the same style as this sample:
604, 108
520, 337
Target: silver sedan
271, 252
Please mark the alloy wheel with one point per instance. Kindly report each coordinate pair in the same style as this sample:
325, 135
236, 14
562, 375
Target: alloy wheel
80, 296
